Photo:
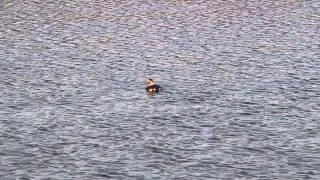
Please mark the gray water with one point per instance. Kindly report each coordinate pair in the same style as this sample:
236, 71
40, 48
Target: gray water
241, 95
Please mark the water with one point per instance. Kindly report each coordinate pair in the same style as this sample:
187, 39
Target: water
240, 101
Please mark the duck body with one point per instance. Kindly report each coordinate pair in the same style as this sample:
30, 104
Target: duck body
153, 88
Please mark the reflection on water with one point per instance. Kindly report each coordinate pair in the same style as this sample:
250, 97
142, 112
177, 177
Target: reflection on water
241, 90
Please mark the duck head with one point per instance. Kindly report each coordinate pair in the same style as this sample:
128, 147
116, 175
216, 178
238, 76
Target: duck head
149, 82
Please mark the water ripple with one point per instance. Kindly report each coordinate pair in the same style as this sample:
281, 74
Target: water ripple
240, 100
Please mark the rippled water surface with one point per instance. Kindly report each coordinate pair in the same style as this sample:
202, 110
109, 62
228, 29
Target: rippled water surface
241, 95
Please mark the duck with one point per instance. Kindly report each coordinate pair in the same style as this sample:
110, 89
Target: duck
151, 87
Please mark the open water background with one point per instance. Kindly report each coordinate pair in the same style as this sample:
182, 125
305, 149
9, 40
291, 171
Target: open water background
241, 98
